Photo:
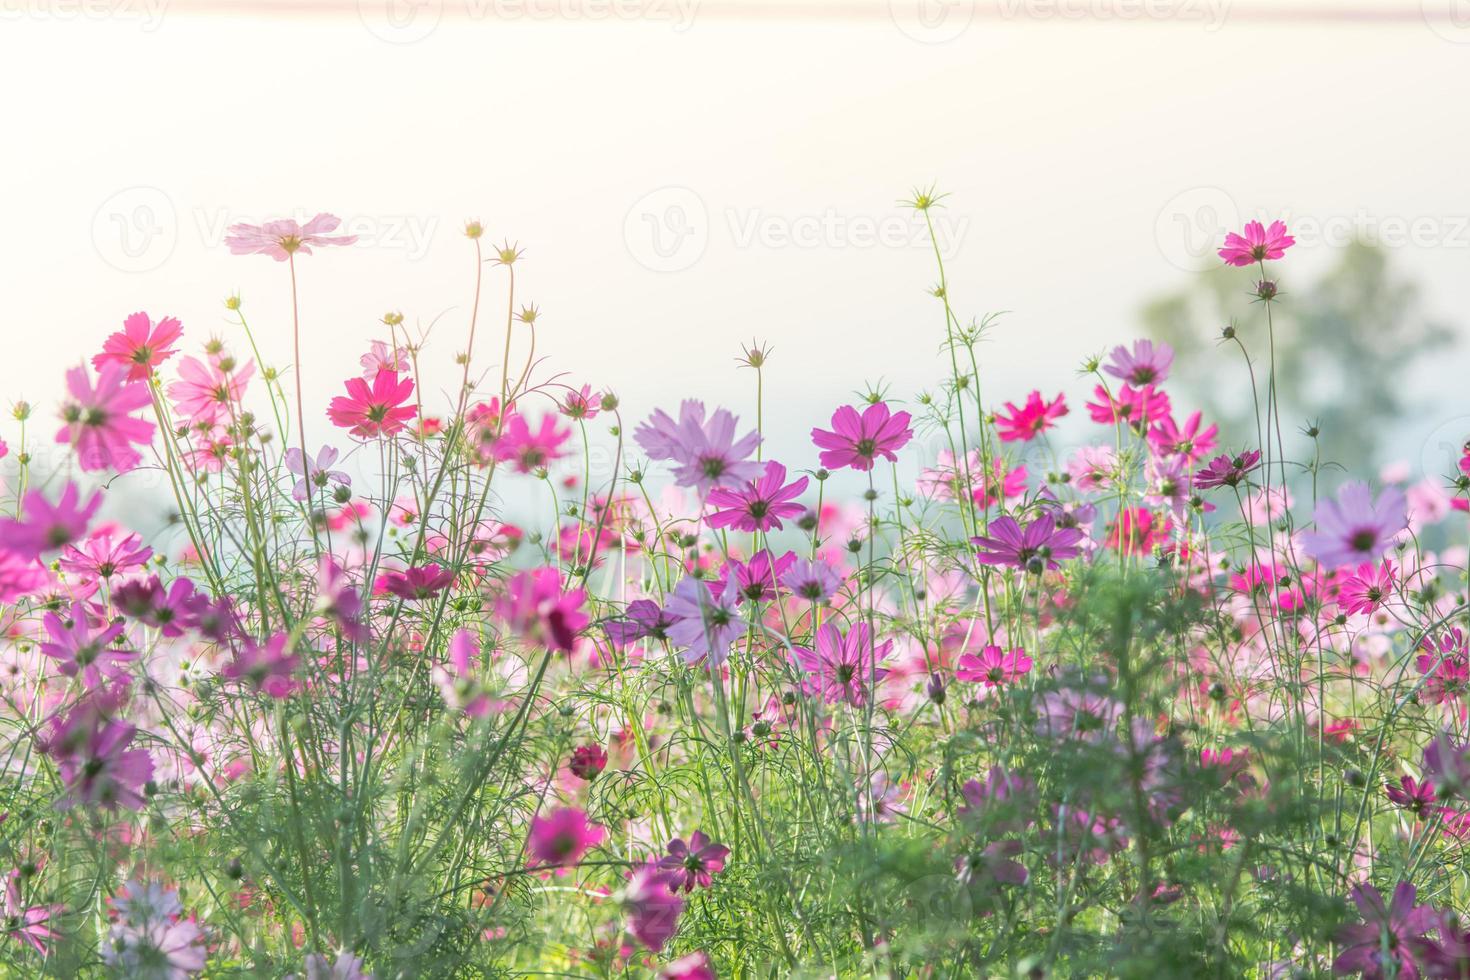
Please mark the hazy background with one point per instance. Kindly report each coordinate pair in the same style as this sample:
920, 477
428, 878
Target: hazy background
687, 176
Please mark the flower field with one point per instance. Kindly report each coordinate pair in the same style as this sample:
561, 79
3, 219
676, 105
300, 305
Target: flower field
1153, 706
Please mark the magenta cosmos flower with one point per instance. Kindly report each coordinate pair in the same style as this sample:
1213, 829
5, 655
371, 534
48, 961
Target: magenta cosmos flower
858, 440
561, 837
1383, 944
95, 759
85, 648
1031, 419
1355, 528
652, 907
694, 863
758, 505
29, 924
417, 582
378, 409
1257, 244
1226, 470
993, 666
706, 454
1035, 548
99, 424
268, 667
530, 449
45, 526
843, 668
537, 609
282, 239
140, 346
1366, 590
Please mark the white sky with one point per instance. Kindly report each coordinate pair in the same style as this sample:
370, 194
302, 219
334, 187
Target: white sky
1074, 150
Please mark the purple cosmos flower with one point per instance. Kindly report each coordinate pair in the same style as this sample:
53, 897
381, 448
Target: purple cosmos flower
1002, 801
646, 620
105, 554
706, 454
652, 907
268, 667
561, 837
83, 652
282, 238
994, 864
46, 526
1392, 931
1226, 470
706, 623
692, 864
151, 937
1355, 528
1148, 363
758, 579
858, 440
417, 582
1076, 713
842, 668
169, 611
759, 504
93, 754
537, 609
813, 580
338, 600
29, 924
1419, 797
314, 474
1447, 760
1036, 548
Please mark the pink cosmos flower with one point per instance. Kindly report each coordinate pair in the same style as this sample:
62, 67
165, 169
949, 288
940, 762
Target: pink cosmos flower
140, 346
1447, 760
380, 357
268, 667
707, 454
207, 393
881, 801
695, 966
417, 582
1147, 364
456, 676
535, 607
993, 666
1194, 444
587, 761
1385, 942
1076, 713
843, 668
858, 440
1355, 528
1036, 548
693, 864
652, 908
758, 504
1093, 468
45, 527
314, 474
1366, 590
1257, 244
151, 937
344, 966
99, 424
1031, 420
338, 600
561, 837
1420, 798
1226, 470
756, 580
106, 552
94, 759
80, 651
29, 924
1002, 483
169, 610
381, 409
814, 580
579, 403
530, 450
283, 238
1137, 408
